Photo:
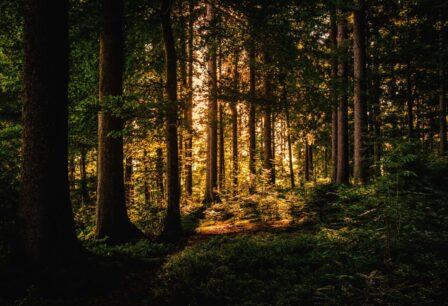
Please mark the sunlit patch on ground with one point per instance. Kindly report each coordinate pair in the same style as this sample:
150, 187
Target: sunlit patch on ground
253, 213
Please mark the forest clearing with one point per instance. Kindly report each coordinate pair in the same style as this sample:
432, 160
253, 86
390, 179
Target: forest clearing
223, 152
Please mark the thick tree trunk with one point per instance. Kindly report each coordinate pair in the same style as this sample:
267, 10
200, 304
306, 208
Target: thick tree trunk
267, 131
172, 220
360, 109
212, 134
188, 113
252, 119
111, 217
334, 99
342, 165
45, 228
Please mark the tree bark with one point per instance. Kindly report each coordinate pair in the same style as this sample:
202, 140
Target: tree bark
112, 220
252, 119
45, 227
342, 165
212, 133
307, 161
360, 108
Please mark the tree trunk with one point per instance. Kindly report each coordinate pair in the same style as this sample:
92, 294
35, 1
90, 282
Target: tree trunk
442, 93
45, 228
267, 131
188, 113
360, 109
342, 165
252, 110
84, 190
409, 100
288, 128
307, 161
334, 99
72, 176
234, 110
129, 171
160, 173
112, 220
172, 220
222, 162
212, 135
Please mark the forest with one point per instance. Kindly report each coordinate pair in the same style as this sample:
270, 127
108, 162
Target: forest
223, 152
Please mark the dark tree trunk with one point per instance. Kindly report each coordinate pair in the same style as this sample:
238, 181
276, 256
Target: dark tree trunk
129, 171
310, 161
360, 109
342, 165
212, 133
252, 110
45, 228
188, 113
84, 190
288, 127
234, 109
267, 131
172, 220
409, 100
160, 173
307, 161
71, 169
221, 144
334, 99
442, 100
112, 220
273, 141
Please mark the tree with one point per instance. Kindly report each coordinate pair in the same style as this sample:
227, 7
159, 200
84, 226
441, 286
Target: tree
342, 165
252, 118
267, 116
188, 113
112, 220
212, 130
360, 109
44, 219
172, 221
234, 110
334, 96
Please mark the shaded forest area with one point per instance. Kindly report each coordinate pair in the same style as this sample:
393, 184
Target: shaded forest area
221, 152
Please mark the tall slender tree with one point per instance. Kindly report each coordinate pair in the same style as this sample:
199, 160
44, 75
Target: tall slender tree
342, 165
360, 108
212, 131
334, 96
252, 118
172, 221
267, 117
112, 220
44, 219
234, 110
188, 112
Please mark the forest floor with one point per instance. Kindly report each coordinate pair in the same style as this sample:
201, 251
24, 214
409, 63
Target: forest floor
325, 245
